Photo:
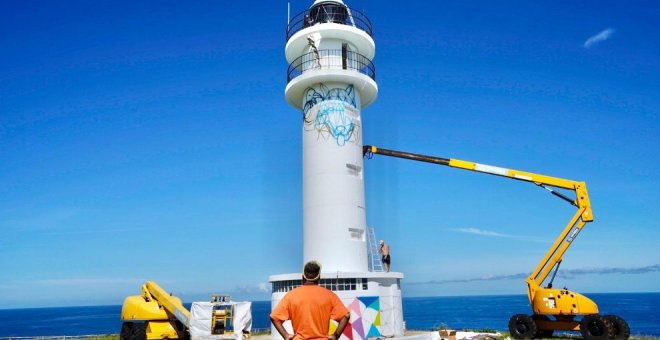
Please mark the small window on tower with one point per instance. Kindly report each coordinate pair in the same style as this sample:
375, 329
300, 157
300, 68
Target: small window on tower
344, 55
356, 234
354, 170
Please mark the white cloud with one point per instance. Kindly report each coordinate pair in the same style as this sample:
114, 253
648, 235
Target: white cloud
565, 273
258, 288
490, 233
480, 232
601, 36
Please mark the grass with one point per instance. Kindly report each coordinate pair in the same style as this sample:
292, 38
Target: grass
506, 335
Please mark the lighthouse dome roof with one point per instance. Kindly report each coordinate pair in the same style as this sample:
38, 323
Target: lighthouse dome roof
322, 1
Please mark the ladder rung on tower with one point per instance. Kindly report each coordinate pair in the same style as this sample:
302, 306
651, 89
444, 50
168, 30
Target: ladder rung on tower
375, 259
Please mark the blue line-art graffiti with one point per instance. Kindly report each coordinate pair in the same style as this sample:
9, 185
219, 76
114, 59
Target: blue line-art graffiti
326, 112
332, 117
313, 97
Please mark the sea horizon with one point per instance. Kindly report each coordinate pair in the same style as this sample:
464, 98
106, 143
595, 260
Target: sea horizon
473, 312
404, 297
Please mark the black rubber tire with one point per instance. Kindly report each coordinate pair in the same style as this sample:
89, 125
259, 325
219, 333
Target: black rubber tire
545, 333
542, 333
181, 329
125, 331
522, 326
595, 327
621, 328
139, 331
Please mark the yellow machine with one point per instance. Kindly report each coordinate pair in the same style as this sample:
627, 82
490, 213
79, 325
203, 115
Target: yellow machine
158, 315
153, 315
222, 316
553, 309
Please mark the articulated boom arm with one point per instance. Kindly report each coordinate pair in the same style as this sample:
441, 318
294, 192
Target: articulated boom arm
151, 290
554, 256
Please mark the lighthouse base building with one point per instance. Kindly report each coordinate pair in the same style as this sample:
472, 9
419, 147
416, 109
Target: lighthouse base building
330, 79
373, 298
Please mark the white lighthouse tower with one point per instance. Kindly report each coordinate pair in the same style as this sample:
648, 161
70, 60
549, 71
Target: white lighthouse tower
331, 78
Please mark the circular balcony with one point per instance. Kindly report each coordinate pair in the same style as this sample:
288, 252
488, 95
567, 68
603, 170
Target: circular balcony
328, 12
328, 66
331, 60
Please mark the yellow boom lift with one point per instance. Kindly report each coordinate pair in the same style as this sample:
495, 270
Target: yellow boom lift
156, 314
553, 309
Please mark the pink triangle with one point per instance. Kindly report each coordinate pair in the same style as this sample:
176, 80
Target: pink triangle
355, 306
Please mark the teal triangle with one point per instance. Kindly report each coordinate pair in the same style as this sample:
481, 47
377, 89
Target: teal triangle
368, 300
375, 305
373, 332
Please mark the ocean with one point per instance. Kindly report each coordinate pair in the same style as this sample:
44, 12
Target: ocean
463, 312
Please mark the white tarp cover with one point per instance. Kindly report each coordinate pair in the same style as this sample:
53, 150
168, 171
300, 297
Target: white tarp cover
200, 320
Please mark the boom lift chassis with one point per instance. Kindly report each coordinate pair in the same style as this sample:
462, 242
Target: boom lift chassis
553, 309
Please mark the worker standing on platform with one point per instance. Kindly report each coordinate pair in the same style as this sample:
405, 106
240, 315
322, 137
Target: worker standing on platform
310, 308
385, 250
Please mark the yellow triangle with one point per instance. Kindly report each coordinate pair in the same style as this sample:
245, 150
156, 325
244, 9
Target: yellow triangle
333, 327
377, 320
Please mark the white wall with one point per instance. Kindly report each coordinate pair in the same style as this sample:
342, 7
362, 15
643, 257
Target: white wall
334, 218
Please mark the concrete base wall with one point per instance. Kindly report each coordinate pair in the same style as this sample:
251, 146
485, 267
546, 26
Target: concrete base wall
374, 299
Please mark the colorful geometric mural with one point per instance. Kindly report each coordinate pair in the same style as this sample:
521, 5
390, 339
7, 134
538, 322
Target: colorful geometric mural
365, 319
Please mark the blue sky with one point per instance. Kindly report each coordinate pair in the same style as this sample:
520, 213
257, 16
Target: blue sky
153, 141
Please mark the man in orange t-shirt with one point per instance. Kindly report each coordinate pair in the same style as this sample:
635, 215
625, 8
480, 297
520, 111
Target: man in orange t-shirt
310, 308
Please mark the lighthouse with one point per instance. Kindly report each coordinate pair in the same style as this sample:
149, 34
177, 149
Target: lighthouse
331, 78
